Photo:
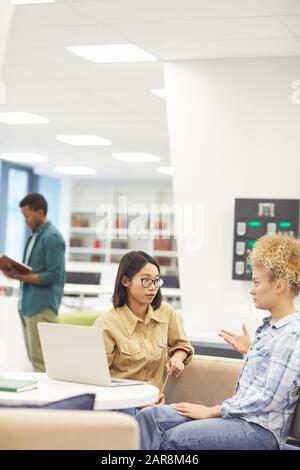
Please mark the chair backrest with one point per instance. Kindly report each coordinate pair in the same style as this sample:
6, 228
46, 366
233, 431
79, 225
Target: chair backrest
36, 429
210, 380
207, 380
295, 429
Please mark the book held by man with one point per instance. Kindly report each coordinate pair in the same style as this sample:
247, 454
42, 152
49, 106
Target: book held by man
11, 385
7, 263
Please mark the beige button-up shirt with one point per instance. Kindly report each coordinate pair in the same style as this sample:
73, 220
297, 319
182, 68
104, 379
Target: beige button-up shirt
138, 349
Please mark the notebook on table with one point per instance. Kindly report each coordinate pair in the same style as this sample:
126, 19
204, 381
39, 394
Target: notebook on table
15, 385
75, 353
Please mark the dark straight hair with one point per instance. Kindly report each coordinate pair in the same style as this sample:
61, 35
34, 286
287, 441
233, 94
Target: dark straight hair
130, 264
35, 201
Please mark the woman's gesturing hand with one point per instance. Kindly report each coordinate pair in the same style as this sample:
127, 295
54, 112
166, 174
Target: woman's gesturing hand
241, 343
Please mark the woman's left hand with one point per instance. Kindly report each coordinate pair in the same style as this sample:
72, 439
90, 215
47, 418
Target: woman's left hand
175, 366
195, 411
191, 410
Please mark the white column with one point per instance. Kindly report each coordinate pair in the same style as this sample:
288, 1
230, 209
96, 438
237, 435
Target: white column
5, 19
234, 132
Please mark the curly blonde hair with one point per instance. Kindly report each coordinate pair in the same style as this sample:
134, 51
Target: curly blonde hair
279, 256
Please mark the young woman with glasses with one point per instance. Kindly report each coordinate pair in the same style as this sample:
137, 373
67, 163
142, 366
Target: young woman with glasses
142, 334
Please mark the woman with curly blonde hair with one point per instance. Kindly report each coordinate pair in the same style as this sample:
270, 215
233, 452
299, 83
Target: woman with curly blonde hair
276, 257
259, 414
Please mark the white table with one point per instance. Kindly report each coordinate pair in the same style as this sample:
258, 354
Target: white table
107, 398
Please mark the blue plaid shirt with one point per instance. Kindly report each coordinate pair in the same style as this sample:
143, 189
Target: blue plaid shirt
268, 387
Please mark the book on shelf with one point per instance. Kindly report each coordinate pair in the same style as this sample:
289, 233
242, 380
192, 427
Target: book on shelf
7, 263
162, 244
12, 385
79, 222
75, 242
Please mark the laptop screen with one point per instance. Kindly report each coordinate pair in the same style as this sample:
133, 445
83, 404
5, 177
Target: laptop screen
75, 353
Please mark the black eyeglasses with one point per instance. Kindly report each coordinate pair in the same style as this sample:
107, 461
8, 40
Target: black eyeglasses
146, 282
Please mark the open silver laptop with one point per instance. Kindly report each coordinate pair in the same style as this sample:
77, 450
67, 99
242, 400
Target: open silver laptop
77, 354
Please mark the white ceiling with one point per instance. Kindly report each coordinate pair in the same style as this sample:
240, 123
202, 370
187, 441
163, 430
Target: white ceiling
114, 100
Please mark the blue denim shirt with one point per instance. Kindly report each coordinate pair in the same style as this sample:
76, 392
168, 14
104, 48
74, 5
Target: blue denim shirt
268, 388
47, 258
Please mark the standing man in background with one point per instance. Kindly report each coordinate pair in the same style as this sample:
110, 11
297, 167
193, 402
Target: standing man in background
41, 290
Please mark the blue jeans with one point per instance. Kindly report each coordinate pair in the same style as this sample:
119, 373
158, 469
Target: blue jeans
161, 427
129, 411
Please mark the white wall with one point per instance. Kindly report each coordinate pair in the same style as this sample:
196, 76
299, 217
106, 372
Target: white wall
5, 19
234, 132
65, 197
65, 210
13, 355
90, 192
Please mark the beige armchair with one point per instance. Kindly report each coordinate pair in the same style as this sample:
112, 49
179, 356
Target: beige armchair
40, 429
209, 380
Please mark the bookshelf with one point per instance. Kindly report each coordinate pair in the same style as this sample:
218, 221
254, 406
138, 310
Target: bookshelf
106, 223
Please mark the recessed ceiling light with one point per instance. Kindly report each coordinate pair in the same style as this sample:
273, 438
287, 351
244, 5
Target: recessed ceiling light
22, 118
136, 157
112, 53
29, 2
165, 170
75, 170
24, 157
83, 140
161, 92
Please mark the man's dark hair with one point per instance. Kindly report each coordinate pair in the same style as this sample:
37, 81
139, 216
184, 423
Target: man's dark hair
35, 201
130, 264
